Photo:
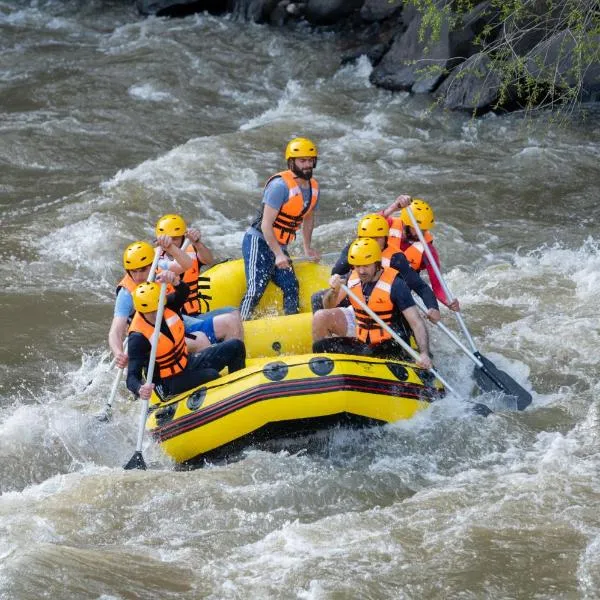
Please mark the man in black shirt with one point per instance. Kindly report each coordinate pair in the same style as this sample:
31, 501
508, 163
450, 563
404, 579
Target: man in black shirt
385, 292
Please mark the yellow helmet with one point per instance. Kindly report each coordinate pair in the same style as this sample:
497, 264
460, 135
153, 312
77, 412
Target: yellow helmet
138, 255
373, 226
146, 296
423, 215
172, 225
364, 251
300, 148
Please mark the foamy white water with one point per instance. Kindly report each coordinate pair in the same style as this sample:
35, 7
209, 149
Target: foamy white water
108, 122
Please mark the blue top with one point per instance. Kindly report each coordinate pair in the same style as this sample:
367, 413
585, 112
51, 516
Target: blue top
276, 194
124, 301
124, 304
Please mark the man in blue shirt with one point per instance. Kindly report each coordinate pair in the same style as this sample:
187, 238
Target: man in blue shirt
289, 202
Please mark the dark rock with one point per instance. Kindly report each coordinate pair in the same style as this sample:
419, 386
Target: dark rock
255, 11
471, 87
181, 8
327, 12
374, 53
554, 62
379, 10
409, 65
464, 37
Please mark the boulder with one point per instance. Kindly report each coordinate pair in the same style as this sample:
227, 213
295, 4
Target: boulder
471, 87
379, 10
328, 12
180, 8
409, 65
553, 61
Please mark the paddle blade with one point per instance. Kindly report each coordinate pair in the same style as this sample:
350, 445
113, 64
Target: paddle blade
105, 416
490, 378
135, 462
481, 409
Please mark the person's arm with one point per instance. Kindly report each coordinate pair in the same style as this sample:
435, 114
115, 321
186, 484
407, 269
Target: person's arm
404, 302
308, 224
138, 350
269, 216
334, 295
400, 202
182, 261
342, 266
411, 314
204, 255
118, 328
436, 284
417, 285
116, 337
274, 197
176, 299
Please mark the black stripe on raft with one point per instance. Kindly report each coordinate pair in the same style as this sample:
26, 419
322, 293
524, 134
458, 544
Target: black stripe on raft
300, 387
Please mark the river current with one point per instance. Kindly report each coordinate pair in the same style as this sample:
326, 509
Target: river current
109, 121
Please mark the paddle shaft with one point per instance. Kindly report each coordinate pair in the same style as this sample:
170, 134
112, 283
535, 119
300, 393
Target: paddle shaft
449, 295
394, 335
119, 376
451, 335
151, 363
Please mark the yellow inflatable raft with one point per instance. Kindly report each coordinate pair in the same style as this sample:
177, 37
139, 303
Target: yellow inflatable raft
288, 394
284, 388
224, 284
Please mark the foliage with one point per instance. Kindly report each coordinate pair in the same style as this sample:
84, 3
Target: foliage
540, 49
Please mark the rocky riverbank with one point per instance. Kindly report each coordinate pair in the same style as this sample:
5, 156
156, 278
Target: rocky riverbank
465, 62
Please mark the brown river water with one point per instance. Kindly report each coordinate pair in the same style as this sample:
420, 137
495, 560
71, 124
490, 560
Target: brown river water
109, 121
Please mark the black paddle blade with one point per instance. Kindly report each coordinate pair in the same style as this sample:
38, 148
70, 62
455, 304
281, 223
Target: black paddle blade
491, 379
481, 409
135, 462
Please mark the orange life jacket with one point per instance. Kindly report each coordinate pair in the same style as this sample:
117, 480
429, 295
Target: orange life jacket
128, 283
293, 211
192, 305
171, 354
380, 302
412, 250
386, 255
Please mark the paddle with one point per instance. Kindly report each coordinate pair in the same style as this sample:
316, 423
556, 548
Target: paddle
106, 413
394, 335
487, 376
137, 460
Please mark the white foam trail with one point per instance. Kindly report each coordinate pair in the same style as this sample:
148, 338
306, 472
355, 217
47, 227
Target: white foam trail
147, 91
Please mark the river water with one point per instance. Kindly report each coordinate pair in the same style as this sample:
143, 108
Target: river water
109, 121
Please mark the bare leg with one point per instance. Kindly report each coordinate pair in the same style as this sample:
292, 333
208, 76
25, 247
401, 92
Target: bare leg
199, 343
328, 322
228, 326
